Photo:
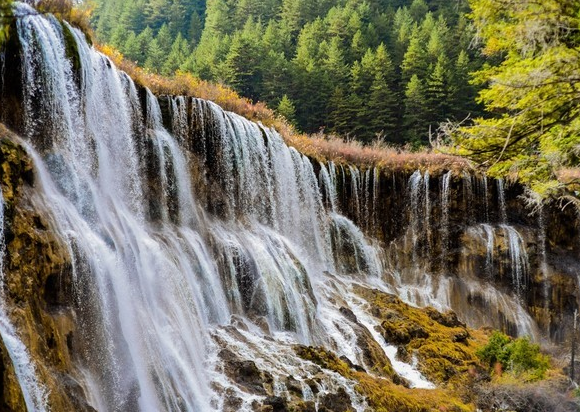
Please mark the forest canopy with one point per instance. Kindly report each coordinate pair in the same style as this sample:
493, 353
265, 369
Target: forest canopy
389, 69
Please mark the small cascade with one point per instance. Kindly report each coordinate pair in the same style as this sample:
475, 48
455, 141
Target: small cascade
416, 209
35, 395
375, 198
351, 249
490, 246
407, 371
327, 184
179, 120
427, 210
355, 182
468, 198
366, 196
445, 201
519, 262
485, 198
501, 201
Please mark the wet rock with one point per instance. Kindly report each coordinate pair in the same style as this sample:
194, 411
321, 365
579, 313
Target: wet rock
232, 402
293, 385
313, 385
347, 313
352, 365
461, 336
402, 331
335, 402
245, 373
308, 406
275, 404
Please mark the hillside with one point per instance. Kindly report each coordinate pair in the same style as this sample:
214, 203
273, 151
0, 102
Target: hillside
365, 69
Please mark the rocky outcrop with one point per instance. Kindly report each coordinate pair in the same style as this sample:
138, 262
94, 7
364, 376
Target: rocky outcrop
441, 224
37, 288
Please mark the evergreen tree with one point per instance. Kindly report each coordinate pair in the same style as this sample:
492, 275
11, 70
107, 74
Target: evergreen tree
415, 58
414, 123
286, 108
155, 57
418, 10
131, 48
340, 62
437, 94
177, 56
164, 39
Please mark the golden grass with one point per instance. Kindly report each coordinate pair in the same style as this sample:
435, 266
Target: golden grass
78, 15
320, 147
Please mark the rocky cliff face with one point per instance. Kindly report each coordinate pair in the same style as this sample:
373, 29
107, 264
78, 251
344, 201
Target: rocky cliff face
471, 227
453, 233
37, 291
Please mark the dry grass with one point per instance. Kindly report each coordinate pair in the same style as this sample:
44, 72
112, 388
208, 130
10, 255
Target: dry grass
320, 147
77, 15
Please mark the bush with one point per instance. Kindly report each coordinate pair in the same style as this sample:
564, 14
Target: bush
516, 355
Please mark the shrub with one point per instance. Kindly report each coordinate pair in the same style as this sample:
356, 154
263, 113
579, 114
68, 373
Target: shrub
516, 355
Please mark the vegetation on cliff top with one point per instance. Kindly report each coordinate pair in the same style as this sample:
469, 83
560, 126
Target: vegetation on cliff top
533, 95
318, 146
392, 68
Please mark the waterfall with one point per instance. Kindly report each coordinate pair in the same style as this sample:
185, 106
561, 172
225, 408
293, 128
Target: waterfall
415, 210
161, 273
485, 198
490, 245
35, 395
519, 262
468, 198
193, 230
501, 201
427, 210
445, 199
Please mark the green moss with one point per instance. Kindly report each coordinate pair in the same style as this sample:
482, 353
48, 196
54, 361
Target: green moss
71, 48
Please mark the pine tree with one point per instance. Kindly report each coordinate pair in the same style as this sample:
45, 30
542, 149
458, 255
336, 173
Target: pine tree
418, 10
155, 57
286, 108
144, 40
414, 123
382, 105
178, 19
164, 39
415, 59
334, 63
217, 20
178, 55
131, 48
437, 94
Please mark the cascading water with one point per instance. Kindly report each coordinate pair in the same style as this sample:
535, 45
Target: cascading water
160, 275
217, 234
519, 261
445, 199
501, 201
